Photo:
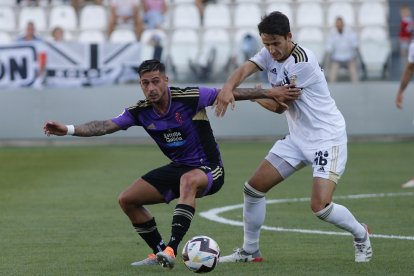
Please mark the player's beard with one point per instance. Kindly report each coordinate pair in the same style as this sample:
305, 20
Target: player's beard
153, 97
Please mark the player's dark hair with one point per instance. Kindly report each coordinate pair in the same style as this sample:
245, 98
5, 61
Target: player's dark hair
275, 23
151, 65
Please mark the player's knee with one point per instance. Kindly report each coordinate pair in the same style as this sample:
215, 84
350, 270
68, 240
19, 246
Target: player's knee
250, 190
318, 206
122, 201
188, 184
324, 212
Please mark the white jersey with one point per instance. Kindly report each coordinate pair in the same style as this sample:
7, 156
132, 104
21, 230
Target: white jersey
313, 119
342, 46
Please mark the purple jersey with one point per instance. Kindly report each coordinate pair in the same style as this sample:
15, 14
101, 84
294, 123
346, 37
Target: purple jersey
184, 133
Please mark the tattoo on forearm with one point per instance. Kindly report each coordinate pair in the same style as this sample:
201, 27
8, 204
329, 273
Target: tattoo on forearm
94, 128
250, 93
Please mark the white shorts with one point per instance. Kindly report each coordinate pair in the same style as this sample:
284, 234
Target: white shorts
327, 162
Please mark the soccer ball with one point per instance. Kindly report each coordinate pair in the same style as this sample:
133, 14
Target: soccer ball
201, 254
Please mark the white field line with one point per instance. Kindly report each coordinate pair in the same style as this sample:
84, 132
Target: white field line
214, 215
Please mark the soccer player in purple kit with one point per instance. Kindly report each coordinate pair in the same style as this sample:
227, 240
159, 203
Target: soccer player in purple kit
177, 121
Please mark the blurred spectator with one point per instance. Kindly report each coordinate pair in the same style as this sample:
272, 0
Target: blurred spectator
58, 34
157, 44
42, 3
341, 51
28, 36
28, 2
154, 13
76, 4
30, 33
249, 46
201, 5
406, 29
125, 12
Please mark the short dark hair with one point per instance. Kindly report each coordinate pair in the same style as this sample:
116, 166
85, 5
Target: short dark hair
275, 23
151, 65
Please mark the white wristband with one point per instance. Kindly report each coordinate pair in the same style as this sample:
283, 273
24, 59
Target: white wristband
71, 129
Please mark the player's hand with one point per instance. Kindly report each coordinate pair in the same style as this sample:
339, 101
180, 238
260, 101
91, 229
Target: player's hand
55, 128
399, 101
224, 98
285, 93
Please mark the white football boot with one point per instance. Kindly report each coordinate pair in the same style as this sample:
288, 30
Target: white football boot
240, 255
363, 249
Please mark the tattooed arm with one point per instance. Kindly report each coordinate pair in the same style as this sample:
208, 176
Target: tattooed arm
273, 105
278, 93
93, 128
275, 99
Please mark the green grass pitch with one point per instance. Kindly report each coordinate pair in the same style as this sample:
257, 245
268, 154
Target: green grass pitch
59, 213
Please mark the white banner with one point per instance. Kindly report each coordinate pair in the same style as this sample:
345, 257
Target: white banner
18, 65
67, 64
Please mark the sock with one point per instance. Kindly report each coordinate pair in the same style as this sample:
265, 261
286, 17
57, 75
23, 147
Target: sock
149, 232
342, 218
182, 217
254, 212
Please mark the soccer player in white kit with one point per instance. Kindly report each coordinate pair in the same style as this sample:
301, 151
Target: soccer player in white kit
317, 137
405, 80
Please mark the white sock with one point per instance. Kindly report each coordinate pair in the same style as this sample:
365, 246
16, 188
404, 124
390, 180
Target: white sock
254, 212
342, 218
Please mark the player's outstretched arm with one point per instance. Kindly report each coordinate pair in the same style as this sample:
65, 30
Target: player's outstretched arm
275, 99
93, 128
405, 79
273, 106
226, 95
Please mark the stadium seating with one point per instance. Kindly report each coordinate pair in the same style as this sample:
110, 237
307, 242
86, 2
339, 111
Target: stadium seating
147, 49
237, 42
313, 39
247, 15
372, 13
249, 1
310, 14
310, 21
375, 49
218, 41
176, 2
5, 38
342, 9
186, 16
184, 46
7, 19
91, 36
267, 2
7, 3
63, 16
93, 17
37, 15
122, 35
217, 15
283, 7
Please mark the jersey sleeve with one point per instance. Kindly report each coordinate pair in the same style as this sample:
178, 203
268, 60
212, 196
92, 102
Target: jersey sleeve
207, 97
261, 59
125, 120
304, 73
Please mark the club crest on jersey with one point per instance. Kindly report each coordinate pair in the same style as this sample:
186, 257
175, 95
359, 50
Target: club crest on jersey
273, 71
321, 160
179, 118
